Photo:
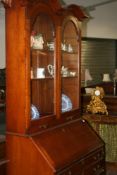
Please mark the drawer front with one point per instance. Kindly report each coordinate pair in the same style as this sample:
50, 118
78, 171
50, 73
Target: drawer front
95, 157
75, 169
95, 169
94, 164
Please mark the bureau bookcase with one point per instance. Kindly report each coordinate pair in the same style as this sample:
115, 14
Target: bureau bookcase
45, 132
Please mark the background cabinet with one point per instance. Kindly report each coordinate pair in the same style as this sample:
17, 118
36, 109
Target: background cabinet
2, 101
43, 91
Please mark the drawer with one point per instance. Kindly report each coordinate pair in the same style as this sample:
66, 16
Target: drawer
95, 169
75, 169
94, 164
95, 157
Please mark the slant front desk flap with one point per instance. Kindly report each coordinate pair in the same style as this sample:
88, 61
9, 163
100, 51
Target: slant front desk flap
67, 143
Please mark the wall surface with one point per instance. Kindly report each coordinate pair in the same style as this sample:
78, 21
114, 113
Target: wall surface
102, 22
2, 38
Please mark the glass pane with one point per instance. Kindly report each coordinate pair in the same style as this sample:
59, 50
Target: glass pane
42, 69
69, 69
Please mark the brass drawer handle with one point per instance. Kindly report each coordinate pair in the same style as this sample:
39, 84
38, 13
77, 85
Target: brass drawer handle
43, 126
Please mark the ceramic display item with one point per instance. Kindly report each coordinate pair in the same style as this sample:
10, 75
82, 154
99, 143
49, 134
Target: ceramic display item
37, 41
40, 72
50, 69
64, 71
66, 103
50, 45
34, 113
70, 49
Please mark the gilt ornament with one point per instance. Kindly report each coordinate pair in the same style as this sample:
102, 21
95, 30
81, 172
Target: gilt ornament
97, 105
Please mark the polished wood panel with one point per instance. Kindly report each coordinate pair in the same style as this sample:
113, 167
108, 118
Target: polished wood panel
66, 148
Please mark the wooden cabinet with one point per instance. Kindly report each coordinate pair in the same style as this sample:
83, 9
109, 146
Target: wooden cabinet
45, 132
2, 101
2, 109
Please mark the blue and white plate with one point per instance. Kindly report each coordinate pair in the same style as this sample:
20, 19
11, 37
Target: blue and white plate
66, 103
34, 112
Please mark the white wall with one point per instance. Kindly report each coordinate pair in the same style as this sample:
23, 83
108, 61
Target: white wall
103, 22
2, 38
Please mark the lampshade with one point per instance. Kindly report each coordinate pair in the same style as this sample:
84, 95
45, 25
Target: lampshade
87, 75
106, 77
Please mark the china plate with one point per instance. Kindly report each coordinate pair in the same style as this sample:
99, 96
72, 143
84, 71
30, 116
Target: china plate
66, 103
34, 112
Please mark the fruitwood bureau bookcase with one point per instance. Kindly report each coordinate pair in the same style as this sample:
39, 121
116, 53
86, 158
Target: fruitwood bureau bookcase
45, 132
